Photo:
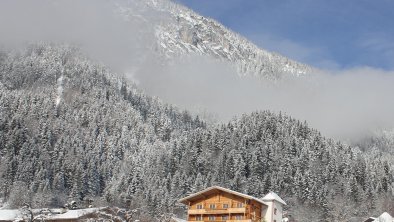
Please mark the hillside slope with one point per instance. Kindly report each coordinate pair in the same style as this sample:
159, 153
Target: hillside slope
63, 118
72, 130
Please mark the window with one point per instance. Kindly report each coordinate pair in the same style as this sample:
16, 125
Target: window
239, 217
225, 206
275, 211
225, 217
212, 206
199, 206
211, 218
198, 218
240, 205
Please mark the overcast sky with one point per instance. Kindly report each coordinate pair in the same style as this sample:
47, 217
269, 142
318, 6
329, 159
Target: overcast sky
333, 34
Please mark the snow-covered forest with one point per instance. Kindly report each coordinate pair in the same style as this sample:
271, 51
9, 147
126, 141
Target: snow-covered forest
71, 129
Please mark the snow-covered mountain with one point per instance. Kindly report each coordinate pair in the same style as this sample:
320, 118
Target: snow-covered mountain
181, 32
72, 130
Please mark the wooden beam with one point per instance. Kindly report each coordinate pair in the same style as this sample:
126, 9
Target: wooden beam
245, 209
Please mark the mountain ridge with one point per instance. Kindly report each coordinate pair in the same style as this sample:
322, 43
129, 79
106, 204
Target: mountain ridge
184, 32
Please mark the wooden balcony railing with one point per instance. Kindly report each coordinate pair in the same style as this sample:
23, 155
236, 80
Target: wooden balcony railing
218, 211
248, 220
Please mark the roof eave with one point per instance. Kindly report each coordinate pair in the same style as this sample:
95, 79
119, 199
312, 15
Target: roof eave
185, 200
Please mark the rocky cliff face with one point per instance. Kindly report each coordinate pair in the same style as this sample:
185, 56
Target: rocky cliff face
180, 31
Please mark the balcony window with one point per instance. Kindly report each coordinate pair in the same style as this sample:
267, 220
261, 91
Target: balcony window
240, 205
199, 206
211, 218
212, 206
239, 217
225, 217
198, 218
225, 206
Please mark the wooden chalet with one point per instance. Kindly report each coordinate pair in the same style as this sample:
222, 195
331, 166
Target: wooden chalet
221, 204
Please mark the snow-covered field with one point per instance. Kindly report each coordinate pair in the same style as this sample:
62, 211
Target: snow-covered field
10, 215
52, 214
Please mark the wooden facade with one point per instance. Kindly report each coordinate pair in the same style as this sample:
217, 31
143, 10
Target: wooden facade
220, 204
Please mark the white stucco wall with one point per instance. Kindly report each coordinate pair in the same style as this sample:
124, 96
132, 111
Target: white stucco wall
268, 213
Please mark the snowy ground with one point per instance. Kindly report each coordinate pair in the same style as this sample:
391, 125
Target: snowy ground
20, 214
9, 215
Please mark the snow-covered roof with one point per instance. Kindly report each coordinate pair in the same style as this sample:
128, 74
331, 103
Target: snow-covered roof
385, 217
178, 220
273, 196
371, 219
9, 215
213, 188
74, 214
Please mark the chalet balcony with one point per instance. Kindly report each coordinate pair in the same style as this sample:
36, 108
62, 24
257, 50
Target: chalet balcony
240, 210
248, 220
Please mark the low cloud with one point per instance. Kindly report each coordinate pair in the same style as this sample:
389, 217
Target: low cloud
96, 26
343, 104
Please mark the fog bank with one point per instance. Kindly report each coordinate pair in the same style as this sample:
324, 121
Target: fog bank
345, 104
101, 28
